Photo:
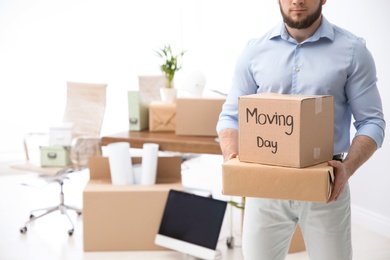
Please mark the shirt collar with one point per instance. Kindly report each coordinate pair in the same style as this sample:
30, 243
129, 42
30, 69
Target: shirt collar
324, 31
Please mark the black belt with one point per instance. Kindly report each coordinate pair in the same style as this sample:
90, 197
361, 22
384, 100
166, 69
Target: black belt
338, 157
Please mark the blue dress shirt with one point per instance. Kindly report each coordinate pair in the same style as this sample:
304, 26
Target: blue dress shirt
331, 62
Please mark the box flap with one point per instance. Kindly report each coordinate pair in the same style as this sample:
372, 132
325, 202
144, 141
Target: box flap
104, 185
168, 168
288, 97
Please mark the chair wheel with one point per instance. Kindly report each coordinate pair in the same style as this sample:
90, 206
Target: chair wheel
31, 216
78, 213
230, 242
23, 230
70, 232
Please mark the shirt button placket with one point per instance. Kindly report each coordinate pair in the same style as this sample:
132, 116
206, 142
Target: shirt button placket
297, 69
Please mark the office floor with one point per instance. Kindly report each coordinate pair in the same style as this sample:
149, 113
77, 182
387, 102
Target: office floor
47, 238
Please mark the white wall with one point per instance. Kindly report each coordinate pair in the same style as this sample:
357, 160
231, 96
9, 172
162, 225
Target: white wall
45, 43
370, 185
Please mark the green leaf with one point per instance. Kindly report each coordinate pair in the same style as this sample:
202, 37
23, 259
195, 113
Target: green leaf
170, 62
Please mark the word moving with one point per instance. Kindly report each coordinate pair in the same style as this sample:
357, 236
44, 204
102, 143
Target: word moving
264, 119
267, 119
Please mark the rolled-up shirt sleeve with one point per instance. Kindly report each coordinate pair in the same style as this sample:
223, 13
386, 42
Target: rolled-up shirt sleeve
242, 84
364, 97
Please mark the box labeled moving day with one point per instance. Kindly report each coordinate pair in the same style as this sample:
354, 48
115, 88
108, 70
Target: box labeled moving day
286, 130
162, 117
198, 116
126, 217
244, 179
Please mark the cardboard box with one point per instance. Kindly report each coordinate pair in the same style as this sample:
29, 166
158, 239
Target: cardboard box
286, 130
55, 156
138, 111
244, 179
198, 116
126, 217
162, 117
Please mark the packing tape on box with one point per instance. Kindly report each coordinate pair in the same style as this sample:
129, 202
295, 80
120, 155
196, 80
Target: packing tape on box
316, 152
318, 105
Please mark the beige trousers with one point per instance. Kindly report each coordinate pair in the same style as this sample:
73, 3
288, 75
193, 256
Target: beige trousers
269, 225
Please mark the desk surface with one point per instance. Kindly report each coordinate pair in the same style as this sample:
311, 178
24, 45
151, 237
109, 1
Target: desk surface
168, 141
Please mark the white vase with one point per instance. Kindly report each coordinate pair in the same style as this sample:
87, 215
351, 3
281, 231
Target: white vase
168, 95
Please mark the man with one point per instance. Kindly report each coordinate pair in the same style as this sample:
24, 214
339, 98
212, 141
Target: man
307, 55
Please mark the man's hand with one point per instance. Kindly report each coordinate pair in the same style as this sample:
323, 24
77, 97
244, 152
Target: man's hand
228, 140
362, 148
341, 178
230, 156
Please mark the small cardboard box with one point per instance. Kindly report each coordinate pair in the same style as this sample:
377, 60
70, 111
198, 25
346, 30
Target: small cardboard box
198, 116
286, 130
162, 117
126, 217
244, 179
55, 156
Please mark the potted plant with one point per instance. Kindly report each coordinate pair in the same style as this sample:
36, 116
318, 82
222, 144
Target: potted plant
171, 63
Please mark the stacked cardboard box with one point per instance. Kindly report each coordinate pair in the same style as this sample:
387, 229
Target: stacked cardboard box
162, 117
284, 144
312, 183
188, 116
198, 116
286, 130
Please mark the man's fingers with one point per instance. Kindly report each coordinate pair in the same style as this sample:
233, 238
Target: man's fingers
232, 155
334, 163
336, 185
335, 195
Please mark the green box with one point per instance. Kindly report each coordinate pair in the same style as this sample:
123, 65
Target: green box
138, 111
55, 156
